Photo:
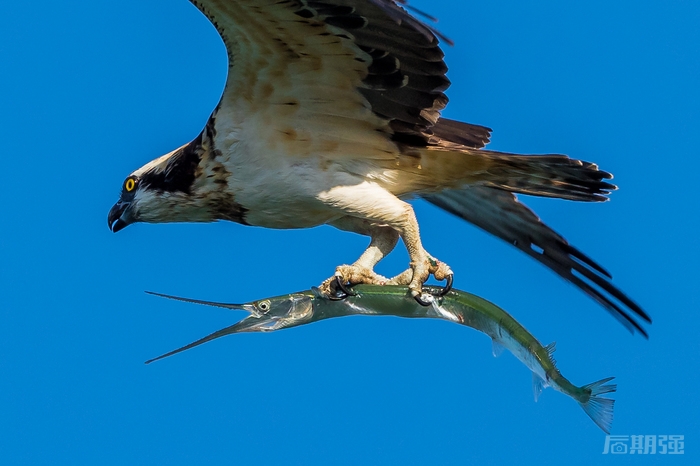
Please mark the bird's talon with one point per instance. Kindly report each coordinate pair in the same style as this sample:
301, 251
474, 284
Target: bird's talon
448, 286
340, 284
423, 302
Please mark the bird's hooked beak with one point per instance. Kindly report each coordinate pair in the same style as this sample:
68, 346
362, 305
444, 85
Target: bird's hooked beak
119, 217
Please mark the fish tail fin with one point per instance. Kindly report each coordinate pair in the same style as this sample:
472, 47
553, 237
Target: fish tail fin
600, 409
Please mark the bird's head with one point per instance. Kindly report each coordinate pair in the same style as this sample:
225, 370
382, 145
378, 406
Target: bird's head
165, 190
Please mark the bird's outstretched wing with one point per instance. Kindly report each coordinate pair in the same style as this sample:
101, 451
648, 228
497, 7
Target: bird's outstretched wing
500, 213
343, 78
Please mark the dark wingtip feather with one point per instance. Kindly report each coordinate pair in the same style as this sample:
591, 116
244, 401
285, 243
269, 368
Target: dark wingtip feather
616, 311
615, 292
502, 215
422, 13
576, 253
397, 11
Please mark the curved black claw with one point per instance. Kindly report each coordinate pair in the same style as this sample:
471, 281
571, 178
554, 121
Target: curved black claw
340, 286
343, 287
448, 286
419, 299
443, 292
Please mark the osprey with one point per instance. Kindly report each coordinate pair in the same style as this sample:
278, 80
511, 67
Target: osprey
331, 115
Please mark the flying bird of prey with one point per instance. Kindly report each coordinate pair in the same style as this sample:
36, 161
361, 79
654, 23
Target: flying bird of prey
331, 115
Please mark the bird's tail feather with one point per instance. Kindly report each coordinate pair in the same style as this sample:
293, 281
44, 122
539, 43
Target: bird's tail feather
555, 176
549, 176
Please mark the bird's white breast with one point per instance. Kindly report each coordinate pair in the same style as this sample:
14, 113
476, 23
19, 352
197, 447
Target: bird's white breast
278, 186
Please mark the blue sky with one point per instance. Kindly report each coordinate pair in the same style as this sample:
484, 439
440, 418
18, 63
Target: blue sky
90, 93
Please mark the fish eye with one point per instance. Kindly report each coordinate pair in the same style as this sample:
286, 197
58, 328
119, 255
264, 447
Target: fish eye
130, 184
264, 306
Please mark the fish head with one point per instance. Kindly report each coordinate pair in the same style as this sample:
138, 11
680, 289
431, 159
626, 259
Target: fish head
295, 307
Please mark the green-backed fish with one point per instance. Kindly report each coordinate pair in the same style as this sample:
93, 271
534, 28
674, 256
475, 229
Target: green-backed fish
305, 307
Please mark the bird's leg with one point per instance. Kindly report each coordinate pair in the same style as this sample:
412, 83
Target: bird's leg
422, 263
383, 241
381, 208
404, 278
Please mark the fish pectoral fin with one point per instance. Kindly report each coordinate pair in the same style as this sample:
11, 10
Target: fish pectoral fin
538, 384
496, 348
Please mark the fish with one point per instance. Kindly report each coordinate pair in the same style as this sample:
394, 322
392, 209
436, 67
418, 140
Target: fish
305, 307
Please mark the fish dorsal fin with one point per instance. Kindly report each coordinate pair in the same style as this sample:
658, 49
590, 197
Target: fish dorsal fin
551, 348
538, 384
496, 348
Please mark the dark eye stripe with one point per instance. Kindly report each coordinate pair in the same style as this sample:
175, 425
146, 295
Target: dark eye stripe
179, 174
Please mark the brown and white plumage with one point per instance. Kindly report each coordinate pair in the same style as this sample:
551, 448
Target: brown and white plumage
331, 114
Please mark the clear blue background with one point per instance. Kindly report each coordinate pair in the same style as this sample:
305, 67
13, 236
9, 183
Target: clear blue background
90, 91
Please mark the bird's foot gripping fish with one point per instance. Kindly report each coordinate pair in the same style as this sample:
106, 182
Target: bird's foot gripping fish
309, 306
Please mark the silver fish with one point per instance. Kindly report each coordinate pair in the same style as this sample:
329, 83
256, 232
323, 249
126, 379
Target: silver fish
305, 307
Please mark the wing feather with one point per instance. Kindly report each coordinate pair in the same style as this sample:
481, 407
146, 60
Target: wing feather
499, 213
368, 60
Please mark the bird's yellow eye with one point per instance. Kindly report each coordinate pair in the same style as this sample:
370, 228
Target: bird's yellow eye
129, 185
